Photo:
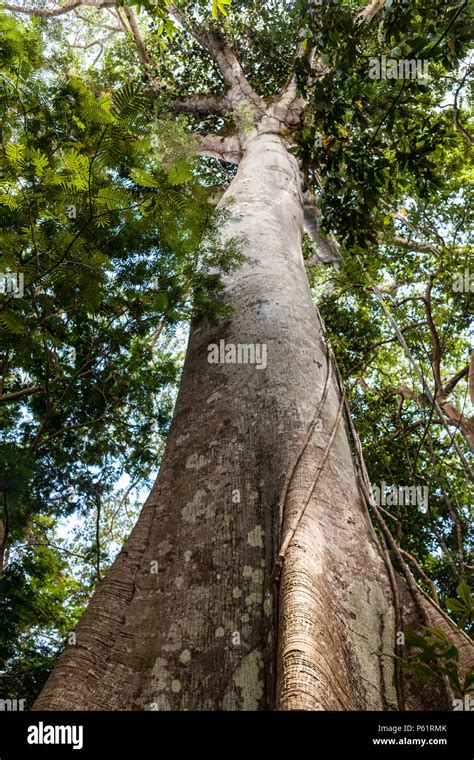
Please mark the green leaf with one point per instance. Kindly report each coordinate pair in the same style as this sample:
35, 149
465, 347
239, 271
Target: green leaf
6, 199
40, 161
15, 153
11, 322
437, 633
219, 6
468, 680
418, 669
464, 593
112, 198
413, 639
143, 178
454, 605
179, 173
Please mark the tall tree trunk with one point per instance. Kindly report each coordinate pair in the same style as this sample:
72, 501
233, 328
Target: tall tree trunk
186, 617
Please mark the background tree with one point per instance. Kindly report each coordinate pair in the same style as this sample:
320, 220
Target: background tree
105, 236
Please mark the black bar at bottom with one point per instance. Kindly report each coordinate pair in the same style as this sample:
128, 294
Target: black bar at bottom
165, 734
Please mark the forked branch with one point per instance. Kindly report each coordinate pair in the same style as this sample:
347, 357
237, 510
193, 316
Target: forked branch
60, 10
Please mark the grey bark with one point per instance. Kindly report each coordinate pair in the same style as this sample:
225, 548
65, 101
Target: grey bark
188, 617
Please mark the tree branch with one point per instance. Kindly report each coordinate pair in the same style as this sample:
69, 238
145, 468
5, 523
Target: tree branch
224, 148
50, 12
289, 106
397, 215
90, 20
203, 105
369, 11
436, 364
453, 415
462, 130
88, 45
137, 36
451, 384
412, 245
421, 572
457, 418
18, 394
453, 511
5, 397
435, 402
225, 58
327, 247
470, 378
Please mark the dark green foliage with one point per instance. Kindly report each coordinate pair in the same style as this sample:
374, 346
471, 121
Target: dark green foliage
435, 657
104, 222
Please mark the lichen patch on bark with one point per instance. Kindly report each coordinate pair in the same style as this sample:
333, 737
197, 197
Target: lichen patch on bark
367, 601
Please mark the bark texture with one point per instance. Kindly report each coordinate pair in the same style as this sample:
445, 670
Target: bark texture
188, 616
